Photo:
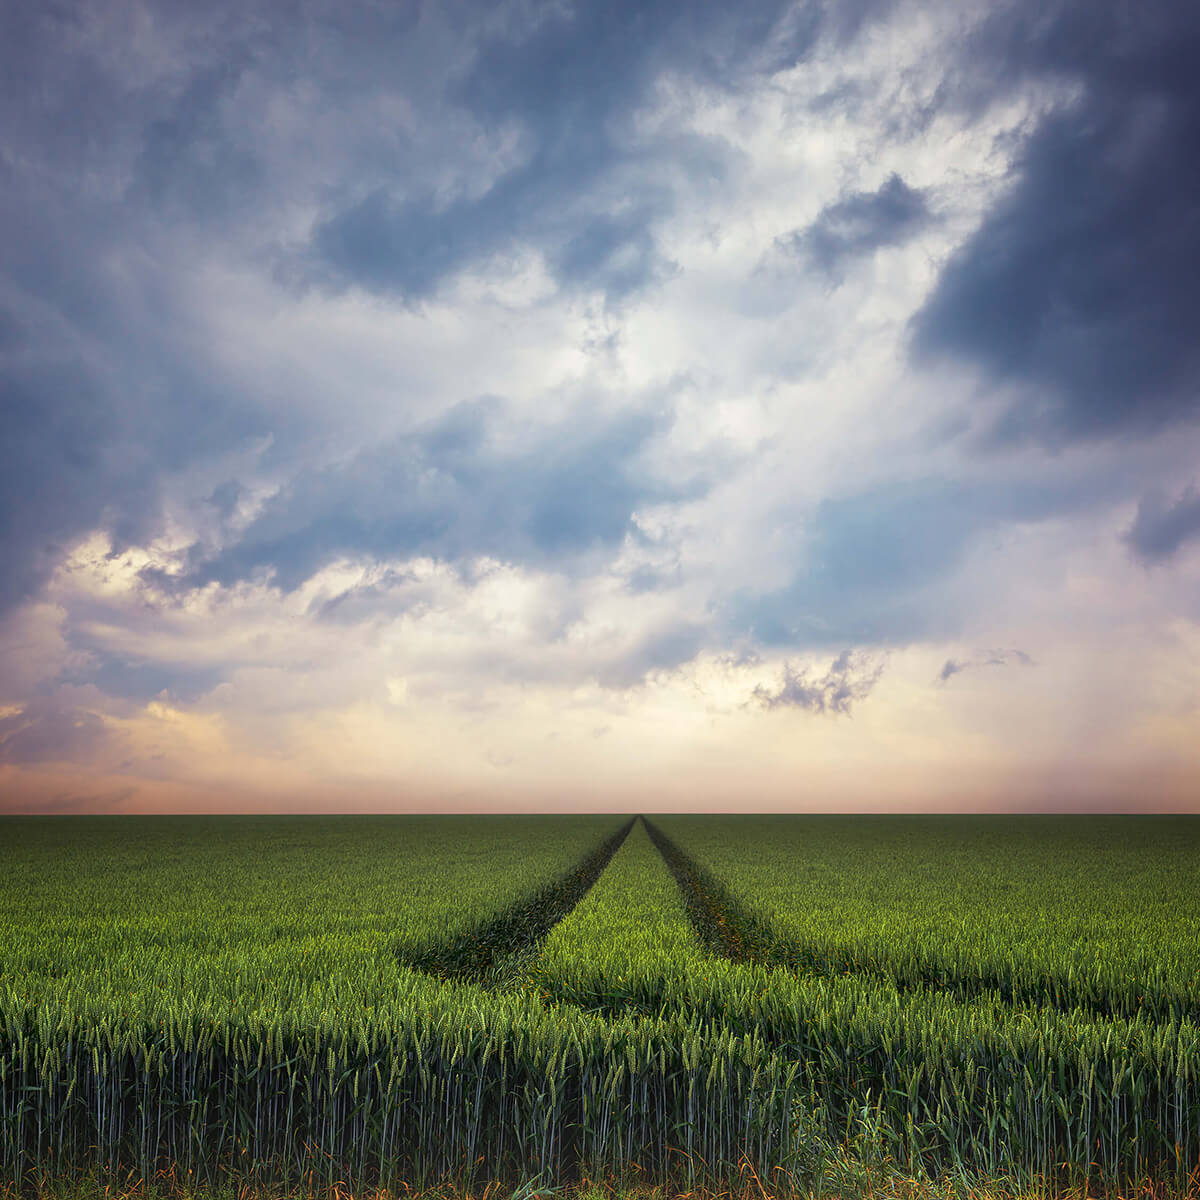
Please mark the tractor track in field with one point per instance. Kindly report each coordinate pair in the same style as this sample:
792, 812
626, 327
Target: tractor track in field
722, 925
493, 953
726, 929
498, 953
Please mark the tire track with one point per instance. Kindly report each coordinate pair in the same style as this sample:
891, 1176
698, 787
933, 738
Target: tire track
728, 930
722, 925
494, 952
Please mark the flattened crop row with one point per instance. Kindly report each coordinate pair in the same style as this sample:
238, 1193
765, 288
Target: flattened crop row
1038, 1093
733, 931
478, 953
722, 926
1035, 912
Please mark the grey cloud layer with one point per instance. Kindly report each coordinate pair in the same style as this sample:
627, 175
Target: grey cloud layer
138, 136
48, 729
586, 193
1162, 526
456, 491
872, 565
382, 152
861, 223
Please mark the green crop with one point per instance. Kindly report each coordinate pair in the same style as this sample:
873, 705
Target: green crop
1091, 912
416, 1001
627, 935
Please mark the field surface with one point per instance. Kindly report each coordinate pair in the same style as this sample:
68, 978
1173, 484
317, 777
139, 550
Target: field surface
428, 1002
1076, 910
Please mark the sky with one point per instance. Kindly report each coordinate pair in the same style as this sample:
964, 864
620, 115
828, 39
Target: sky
577, 405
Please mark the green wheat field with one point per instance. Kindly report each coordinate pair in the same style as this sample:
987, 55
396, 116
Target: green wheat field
700, 1004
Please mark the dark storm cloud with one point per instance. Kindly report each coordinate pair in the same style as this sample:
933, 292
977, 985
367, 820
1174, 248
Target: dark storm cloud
188, 158
570, 82
139, 141
861, 223
407, 247
56, 476
850, 678
98, 399
616, 254
89, 424
118, 135
383, 245
1161, 526
1081, 287
586, 194
90, 421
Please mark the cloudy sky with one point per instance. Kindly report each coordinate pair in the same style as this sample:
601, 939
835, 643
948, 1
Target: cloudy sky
586, 403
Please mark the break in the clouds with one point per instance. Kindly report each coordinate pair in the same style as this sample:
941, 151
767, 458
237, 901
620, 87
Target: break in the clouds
396, 396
